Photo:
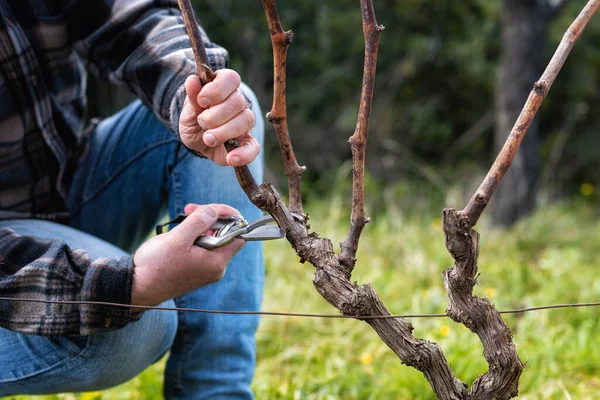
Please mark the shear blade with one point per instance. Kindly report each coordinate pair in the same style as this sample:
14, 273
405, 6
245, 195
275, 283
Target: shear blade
265, 232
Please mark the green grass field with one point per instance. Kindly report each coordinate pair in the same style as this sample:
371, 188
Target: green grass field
552, 257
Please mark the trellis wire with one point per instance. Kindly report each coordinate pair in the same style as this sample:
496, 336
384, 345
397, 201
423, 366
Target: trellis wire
283, 314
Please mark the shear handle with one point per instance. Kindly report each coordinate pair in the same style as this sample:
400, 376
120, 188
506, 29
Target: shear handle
253, 231
215, 242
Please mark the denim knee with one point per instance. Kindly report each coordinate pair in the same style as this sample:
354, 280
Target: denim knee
123, 354
103, 360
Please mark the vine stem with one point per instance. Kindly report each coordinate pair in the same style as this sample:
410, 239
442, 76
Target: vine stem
193, 31
501, 381
482, 196
280, 41
358, 141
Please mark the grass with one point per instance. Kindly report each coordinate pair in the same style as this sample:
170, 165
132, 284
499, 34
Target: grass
551, 257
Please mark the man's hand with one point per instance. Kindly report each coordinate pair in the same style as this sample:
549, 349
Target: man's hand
170, 265
215, 113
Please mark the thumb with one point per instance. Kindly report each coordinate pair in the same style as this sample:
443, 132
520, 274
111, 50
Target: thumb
197, 223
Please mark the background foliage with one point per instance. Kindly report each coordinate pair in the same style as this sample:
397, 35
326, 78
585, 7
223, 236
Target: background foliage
436, 80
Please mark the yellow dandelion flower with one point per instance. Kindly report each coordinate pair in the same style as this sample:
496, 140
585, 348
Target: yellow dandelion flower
283, 388
90, 395
366, 359
445, 330
490, 293
586, 189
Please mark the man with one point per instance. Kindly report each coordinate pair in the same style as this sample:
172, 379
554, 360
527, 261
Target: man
71, 202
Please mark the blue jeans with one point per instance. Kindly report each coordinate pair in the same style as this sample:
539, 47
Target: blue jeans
134, 172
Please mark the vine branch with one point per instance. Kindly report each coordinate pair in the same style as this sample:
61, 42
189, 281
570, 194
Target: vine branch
333, 282
479, 315
358, 141
280, 41
540, 90
193, 31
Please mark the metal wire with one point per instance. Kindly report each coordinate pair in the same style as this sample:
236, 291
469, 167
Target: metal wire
283, 314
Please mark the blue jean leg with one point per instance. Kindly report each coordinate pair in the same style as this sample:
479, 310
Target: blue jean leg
134, 171
215, 353
42, 365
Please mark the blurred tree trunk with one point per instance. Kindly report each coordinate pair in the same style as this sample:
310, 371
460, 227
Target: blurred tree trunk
524, 31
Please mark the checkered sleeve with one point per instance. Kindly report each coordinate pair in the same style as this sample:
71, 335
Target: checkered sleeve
50, 270
141, 44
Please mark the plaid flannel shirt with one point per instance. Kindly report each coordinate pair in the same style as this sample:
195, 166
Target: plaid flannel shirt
45, 48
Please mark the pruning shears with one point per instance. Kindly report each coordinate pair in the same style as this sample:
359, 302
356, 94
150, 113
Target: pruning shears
229, 228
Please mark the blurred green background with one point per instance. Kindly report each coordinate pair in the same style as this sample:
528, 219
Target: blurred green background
450, 75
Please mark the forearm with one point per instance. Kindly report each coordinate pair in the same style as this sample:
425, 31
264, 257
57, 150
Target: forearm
50, 270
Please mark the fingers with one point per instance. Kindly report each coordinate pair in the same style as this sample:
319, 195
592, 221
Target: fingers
223, 112
188, 120
215, 113
226, 82
222, 209
214, 262
193, 86
223, 254
170, 265
237, 126
226, 253
197, 223
246, 153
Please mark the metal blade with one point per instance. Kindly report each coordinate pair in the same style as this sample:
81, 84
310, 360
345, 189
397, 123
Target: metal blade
265, 232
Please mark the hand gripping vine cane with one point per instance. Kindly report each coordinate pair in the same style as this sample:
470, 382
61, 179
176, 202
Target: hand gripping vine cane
207, 75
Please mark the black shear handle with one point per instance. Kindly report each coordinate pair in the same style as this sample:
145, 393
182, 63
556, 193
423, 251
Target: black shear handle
179, 219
